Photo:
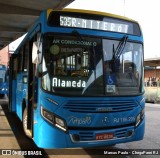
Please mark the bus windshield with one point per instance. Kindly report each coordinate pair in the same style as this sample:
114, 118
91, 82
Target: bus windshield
89, 66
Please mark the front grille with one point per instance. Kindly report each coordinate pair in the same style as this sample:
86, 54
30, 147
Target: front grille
86, 136
97, 106
121, 133
91, 135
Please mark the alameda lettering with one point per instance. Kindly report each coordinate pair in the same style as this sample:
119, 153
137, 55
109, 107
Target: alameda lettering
67, 83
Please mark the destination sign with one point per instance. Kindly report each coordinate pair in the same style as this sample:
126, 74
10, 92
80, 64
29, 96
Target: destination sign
93, 24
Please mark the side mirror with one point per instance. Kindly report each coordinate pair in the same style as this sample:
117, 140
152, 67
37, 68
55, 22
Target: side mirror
36, 52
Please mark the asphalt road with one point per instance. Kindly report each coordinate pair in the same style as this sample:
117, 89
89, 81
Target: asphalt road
12, 137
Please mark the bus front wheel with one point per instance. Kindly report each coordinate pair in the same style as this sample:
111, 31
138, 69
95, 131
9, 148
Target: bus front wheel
26, 130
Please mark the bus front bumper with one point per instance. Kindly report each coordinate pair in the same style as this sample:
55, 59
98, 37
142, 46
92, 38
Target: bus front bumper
48, 136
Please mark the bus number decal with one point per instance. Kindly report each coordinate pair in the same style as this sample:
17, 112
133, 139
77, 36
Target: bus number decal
124, 119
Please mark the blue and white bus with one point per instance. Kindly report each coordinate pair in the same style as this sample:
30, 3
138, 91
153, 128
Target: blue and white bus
3, 81
76, 80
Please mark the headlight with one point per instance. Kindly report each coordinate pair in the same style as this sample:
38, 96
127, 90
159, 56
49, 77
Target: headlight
54, 119
140, 117
3, 89
60, 123
47, 115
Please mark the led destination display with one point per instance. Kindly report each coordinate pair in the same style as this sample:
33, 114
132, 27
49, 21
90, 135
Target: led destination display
93, 22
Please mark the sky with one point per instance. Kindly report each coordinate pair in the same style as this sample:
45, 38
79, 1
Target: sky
146, 12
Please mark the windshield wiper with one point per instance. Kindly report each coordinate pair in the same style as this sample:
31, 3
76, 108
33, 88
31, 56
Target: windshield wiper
117, 53
43, 73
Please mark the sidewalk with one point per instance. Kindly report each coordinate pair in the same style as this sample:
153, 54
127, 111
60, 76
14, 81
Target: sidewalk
7, 137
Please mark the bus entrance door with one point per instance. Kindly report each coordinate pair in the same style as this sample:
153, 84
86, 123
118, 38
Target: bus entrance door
32, 95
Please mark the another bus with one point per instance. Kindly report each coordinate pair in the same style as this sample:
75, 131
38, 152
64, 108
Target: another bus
3, 81
76, 80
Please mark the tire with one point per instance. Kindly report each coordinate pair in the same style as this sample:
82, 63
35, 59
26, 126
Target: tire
2, 95
24, 121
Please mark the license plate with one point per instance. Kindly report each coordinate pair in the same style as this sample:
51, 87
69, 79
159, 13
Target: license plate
104, 136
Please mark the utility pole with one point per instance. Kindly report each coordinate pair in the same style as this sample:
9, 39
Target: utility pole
124, 7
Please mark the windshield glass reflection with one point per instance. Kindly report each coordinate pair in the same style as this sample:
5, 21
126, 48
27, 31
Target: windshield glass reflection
87, 66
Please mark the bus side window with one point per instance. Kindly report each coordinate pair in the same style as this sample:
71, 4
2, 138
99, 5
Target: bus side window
20, 60
25, 57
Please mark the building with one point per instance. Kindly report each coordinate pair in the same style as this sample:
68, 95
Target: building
4, 56
152, 69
